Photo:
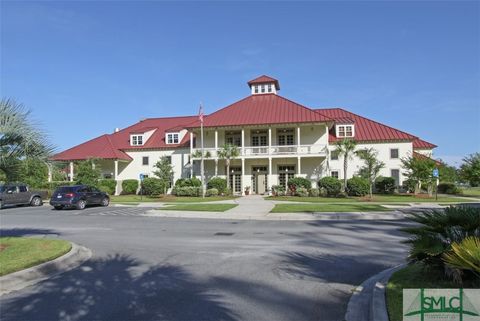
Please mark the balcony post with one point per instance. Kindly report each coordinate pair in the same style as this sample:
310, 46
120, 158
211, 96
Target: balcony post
243, 174
298, 139
243, 142
216, 141
269, 140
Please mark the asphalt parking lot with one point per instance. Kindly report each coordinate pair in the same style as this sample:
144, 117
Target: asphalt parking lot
151, 268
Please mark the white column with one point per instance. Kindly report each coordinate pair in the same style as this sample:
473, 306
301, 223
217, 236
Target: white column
115, 170
269, 140
49, 166
299, 170
270, 178
243, 174
191, 143
71, 171
298, 139
191, 154
216, 140
216, 167
243, 141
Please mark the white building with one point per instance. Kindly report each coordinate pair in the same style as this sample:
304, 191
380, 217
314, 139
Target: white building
277, 138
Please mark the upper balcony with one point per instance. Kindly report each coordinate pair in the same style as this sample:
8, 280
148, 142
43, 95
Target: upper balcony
268, 151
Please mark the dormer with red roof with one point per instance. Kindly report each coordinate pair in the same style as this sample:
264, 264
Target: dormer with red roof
264, 85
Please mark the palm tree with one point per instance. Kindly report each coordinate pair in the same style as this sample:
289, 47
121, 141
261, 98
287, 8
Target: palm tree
372, 165
228, 152
345, 148
19, 138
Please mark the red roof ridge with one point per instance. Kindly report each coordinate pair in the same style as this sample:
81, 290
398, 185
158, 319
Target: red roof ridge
374, 121
305, 107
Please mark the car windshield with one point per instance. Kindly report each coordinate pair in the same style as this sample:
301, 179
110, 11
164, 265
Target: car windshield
66, 189
3, 188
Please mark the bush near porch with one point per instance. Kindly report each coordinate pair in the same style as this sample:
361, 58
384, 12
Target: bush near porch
129, 186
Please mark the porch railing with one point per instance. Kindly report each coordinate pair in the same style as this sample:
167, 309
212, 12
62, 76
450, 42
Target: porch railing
267, 150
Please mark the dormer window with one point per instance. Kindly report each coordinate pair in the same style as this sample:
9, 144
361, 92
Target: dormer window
136, 140
256, 89
172, 138
345, 131
269, 88
263, 89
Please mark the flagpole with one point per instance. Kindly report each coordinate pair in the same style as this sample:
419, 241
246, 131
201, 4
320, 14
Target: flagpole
202, 169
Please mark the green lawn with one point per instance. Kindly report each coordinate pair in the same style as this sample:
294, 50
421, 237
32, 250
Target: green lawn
471, 191
376, 199
310, 208
413, 276
166, 199
18, 253
199, 207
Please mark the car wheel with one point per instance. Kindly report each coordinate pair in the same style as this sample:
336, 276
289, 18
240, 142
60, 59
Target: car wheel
81, 205
36, 201
105, 201
58, 207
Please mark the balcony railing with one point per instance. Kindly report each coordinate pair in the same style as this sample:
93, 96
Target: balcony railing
267, 150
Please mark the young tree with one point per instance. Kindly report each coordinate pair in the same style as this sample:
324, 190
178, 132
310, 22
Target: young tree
228, 153
470, 169
19, 138
447, 173
87, 172
419, 170
164, 172
372, 166
345, 148
33, 172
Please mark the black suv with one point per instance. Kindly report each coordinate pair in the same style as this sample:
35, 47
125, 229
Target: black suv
78, 196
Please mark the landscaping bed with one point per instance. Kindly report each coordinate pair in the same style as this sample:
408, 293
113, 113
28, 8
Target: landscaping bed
167, 199
199, 207
376, 199
414, 276
311, 208
18, 253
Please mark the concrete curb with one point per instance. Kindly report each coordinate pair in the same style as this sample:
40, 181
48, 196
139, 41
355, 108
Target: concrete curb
367, 302
21, 279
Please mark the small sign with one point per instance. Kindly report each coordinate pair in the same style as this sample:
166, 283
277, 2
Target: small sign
435, 172
142, 177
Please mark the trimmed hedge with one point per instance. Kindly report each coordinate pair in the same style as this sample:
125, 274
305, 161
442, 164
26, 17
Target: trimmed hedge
301, 191
153, 186
331, 185
448, 188
297, 182
129, 186
218, 183
358, 186
314, 192
188, 191
107, 185
211, 192
385, 185
184, 182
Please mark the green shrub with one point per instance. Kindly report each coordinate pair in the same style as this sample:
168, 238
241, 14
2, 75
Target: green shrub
385, 185
53, 185
278, 190
465, 255
188, 191
301, 191
331, 185
219, 183
448, 188
314, 192
152, 186
297, 182
184, 182
437, 230
211, 192
409, 185
129, 186
358, 186
180, 182
107, 185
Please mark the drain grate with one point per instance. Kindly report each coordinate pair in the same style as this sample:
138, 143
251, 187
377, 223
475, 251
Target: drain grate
223, 234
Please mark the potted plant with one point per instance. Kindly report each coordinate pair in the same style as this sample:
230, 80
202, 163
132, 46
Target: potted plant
247, 190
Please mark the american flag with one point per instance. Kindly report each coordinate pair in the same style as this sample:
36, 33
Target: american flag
200, 114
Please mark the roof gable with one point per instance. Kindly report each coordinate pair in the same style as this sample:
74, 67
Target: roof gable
264, 80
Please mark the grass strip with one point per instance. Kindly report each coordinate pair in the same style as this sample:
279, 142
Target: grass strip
311, 208
167, 199
199, 207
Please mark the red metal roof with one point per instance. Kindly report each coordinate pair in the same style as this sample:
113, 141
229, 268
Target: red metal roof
261, 110
111, 146
264, 80
365, 129
421, 144
421, 156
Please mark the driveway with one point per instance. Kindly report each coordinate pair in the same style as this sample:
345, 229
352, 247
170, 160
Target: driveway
151, 268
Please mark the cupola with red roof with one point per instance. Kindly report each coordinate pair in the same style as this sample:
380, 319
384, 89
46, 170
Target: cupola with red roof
264, 85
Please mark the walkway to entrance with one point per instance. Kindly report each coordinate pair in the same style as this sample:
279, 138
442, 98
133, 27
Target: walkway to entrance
252, 205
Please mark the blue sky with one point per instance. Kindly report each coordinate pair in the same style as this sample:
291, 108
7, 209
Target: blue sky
84, 68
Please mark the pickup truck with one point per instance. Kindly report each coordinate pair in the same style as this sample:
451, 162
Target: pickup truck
20, 194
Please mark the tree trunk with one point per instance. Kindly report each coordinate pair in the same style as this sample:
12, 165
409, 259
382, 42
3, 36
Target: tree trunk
228, 174
371, 190
345, 166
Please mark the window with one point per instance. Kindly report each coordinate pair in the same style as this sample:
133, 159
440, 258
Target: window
286, 137
169, 159
394, 153
256, 89
136, 140
145, 160
269, 88
395, 173
263, 88
345, 131
285, 173
334, 174
172, 138
334, 155
22, 188
234, 138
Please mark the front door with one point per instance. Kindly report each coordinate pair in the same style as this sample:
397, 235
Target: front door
261, 181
